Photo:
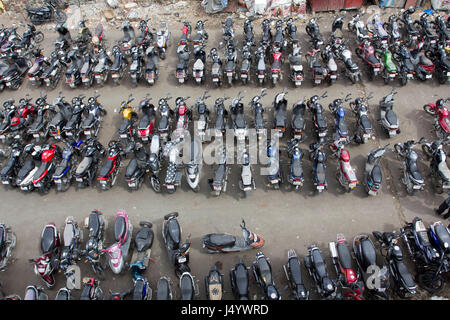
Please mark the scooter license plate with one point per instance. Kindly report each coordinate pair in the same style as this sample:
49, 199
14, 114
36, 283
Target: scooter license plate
372, 192
297, 183
58, 181
317, 81
35, 135
275, 181
123, 136
416, 187
243, 76
79, 179
170, 186
322, 134
215, 80
260, 76
182, 259
376, 69
144, 139
132, 184
97, 77
320, 187
333, 76
229, 74
410, 76
8, 84
217, 188
352, 185
5, 182
428, 76
115, 76
433, 41
392, 75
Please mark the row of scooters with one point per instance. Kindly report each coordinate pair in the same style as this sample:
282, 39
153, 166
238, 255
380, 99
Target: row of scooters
40, 166
428, 248
381, 46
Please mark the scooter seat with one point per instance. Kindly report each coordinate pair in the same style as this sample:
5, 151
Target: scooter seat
414, 170
424, 60
88, 122
37, 124
229, 66
48, 240
298, 123
276, 65
38, 11
26, 169
30, 295
316, 65
163, 290
296, 271
365, 122
280, 118
421, 232
163, 123
391, 117
124, 126
86, 292
62, 295
373, 60
145, 122
138, 289
119, 228
144, 239
344, 256
320, 121
132, 167
376, 174
44, 166
34, 69
245, 65
320, 172
100, 66
404, 273
61, 168
84, 164
296, 169
319, 264
240, 122
68, 235
186, 288
57, 119
444, 171
443, 236
94, 225
220, 173
181, 65
221, 240
150, 65
107, 167
261, 65
174, 230
8, 167
116, 64
219, 123
342, 126
369, 253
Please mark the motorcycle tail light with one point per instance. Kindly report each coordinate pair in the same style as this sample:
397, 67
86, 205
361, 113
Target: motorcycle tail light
428, 69
144, 132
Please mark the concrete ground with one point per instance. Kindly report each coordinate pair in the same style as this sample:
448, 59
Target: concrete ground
285, 219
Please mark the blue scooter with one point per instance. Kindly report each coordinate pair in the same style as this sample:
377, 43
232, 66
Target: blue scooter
65, 169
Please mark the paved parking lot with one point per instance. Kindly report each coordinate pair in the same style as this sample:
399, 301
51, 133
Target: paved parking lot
286, 219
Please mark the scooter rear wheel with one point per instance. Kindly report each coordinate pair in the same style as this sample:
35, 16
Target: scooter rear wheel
430, 282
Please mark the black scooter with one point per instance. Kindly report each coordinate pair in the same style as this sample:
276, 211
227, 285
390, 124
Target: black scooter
239, 281
293, 272
262, 271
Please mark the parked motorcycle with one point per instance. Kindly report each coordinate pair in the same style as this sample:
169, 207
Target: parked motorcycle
317, 269
411, 176
319, 157
373, 176
216, 68
91, 290
220, 181
42, 179
178, 253
389, 119
280, 109
96, 225
110, 169
364, 129
441, 121
62, 177
163, 40
247, 182
367, 53
198, 69
119, 65
295, 66
438, 165
202, 127
48, 262
86, 170
7, 244
151, 68
262, 270
52, 10
182, 72
240, 281
404, 284
70, 252
293, 271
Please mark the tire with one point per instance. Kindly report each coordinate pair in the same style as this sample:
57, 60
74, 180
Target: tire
427, 150
247, 193
404, 79
430, 282
359, 52
39, 37
156, 185
442, 79
398, 149
60, 16
429, 110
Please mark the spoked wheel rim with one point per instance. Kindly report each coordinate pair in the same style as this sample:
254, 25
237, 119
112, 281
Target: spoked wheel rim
430, 281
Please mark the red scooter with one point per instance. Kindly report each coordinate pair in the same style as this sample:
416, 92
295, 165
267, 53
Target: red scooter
347, 277
183, 115
441, 121
186, 34
147, 122
109, 171
367, 53
43, 177
276, 65
48, 261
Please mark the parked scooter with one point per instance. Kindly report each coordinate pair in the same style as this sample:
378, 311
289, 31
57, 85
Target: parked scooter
129, 38
137, 65
136, 168
198, 69
411, 176
173, 174
246, 64
388, 118
178, 253
318, 157
293, 271
146, 125
330, 61
319, 73
239, 124
119, 65
87, 169
42, 179
262, 270
438, 165
247, 182
118, 252
7, 244
295, 66
70, 252
64, 171
373, 176
35, 293
441, 120
375, 276
298, 122
48, 262
187, 286
151, 68
366, 52
364, 129
216, 68
220, 181
165, 119
91, 290
261, 66
319, 121
280, 109
258, 109
96, 224
163, 40
345, 173
52, 10
182, 72
404, 284
163, 290
224, 242
110, 169
341, 135
193, 168
102, 69
275, 174
214, 284
295, 177
154, 163
202, 127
